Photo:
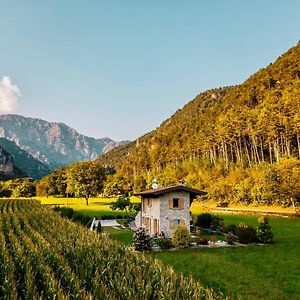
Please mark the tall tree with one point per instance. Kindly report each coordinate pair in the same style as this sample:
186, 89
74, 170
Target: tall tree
86, 178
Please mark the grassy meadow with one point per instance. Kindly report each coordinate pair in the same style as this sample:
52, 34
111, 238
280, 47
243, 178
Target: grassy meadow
98, 207
254, 272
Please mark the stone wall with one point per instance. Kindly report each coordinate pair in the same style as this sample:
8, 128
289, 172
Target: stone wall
167, 214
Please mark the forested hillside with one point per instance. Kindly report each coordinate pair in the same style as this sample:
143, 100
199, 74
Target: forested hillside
240, 143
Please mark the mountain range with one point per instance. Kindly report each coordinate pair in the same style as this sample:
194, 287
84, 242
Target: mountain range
36, 147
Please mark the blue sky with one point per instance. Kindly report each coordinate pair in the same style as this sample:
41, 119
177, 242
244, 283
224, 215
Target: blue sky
119, 68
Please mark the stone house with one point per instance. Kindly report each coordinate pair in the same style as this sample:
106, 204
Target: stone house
165, 208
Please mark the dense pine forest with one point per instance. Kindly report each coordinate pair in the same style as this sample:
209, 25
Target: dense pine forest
239, 143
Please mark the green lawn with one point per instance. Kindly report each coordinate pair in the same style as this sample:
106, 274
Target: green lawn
254, 272
123, 235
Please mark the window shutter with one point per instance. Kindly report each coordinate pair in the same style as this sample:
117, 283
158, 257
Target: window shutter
182, 222
181, 203
170, 203
171, 224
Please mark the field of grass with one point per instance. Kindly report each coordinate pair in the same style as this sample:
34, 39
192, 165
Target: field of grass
122, 235
98, 207
210, 205
254, 272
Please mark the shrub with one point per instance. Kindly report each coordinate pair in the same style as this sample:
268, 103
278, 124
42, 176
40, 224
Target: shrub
108, 217
5, 193
141, 240
223, 204
246, 234
230, 238
79, 217
264, 230
231, 228
202, 241
198, 233
164, 242
99, 227
204, 220
217, 223
64, 211
181, 237
213, 238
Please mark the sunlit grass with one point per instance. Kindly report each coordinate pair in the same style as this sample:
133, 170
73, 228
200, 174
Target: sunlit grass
98, 207
203, 206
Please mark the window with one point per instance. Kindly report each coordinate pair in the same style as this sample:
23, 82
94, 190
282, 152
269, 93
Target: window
146, 203
175, 203
176, 222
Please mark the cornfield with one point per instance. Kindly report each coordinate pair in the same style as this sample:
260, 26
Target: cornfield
43, 256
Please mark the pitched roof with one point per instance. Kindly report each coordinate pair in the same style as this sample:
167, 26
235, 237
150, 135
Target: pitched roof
174, 188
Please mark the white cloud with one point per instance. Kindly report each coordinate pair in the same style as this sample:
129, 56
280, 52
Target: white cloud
9, 95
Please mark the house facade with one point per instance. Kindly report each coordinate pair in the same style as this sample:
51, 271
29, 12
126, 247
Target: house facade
163, 209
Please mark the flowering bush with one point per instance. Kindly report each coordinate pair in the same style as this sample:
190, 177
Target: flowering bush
141, 240
246, 234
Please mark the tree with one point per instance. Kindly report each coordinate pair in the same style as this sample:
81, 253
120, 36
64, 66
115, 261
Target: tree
53, 184
289, 170
113, 187
86, 178
264, 230
23, 188
43, 187
5, 191
122, 203
139, 183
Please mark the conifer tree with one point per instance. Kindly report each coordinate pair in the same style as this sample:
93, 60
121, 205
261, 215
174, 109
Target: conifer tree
264, 231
